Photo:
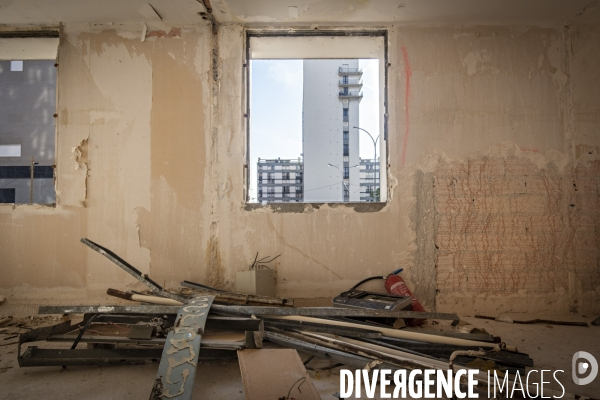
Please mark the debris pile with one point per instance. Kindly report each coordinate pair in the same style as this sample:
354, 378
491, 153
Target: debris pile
201, 322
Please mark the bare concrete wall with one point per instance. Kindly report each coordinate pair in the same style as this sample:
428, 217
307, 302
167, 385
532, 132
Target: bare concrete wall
151, 146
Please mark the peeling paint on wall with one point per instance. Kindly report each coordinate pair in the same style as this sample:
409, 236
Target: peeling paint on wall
508, 226
157, 133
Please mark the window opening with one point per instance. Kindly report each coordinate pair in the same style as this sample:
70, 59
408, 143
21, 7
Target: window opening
295, 123
27, 130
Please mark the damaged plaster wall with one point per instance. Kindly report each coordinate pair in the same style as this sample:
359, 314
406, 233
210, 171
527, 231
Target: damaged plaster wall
151, 144
118, 95
516, 223
457, 92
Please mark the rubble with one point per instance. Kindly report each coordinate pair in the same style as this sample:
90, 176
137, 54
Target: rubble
199, 322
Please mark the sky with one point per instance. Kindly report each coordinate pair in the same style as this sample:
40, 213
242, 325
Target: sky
276, 111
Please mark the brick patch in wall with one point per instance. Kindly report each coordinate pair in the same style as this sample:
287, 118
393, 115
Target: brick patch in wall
506, 226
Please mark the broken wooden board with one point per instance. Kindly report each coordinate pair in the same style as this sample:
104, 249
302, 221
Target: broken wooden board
271, 373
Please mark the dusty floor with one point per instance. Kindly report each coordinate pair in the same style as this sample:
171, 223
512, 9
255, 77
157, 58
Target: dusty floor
551, 346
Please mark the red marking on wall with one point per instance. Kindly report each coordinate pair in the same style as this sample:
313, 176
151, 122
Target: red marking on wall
407, 73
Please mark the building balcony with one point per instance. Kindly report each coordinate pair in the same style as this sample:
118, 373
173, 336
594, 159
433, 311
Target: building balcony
349, 71
343, 83
346, 118
350, 95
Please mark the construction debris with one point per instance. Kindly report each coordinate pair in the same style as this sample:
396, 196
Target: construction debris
275, 374
511, 319
201, 322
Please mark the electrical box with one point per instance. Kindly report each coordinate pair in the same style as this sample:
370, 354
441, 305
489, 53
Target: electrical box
260, 282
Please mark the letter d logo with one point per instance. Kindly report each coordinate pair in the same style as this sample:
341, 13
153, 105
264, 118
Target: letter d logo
583, 367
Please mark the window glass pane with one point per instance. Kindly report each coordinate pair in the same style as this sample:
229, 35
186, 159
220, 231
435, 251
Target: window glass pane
10, 150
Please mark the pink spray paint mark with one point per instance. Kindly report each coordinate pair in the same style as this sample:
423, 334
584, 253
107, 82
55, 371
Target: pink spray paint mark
408, 73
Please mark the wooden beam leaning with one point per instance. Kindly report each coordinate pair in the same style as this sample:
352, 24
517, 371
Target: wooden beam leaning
238, 297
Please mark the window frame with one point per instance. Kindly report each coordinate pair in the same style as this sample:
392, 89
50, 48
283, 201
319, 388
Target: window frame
341, 32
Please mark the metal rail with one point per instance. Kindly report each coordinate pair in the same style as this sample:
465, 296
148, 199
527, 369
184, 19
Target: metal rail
177, 369
250, 310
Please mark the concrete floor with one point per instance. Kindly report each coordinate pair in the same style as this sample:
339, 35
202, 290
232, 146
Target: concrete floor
551, 347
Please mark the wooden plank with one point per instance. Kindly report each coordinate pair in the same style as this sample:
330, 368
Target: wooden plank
271, 373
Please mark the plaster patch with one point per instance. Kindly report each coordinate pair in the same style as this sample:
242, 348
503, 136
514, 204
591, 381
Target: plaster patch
560, 78
81, 158
173, 33
473, 60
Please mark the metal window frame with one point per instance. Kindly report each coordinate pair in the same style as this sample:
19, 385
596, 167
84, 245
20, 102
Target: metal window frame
291, 32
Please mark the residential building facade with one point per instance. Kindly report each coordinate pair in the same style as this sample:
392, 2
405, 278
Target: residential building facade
280, 180
369, 180
332, 92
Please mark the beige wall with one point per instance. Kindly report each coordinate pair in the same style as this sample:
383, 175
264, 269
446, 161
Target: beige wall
150, 161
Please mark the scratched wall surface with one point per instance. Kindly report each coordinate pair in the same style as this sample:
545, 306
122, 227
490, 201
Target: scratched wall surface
508, 229
484, 149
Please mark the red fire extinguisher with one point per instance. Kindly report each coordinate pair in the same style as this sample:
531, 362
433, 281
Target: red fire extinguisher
396, 285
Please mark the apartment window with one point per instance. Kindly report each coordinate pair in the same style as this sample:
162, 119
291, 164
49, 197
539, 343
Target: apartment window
296, 85
27, 128
7, 195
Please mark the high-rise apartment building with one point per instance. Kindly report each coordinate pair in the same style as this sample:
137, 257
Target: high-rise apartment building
280, 180
369, 180
332, 92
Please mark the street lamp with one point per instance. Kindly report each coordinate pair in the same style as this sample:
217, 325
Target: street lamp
374, 155
343, 177
374, 141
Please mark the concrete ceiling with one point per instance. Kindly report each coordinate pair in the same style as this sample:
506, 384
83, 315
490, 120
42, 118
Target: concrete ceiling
535, 12
52, 12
